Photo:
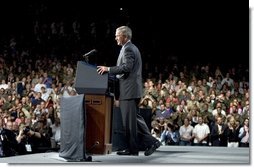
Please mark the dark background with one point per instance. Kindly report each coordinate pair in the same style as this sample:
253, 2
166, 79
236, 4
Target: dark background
189, 33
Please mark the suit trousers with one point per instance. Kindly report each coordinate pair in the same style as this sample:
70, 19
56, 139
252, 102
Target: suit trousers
134, 126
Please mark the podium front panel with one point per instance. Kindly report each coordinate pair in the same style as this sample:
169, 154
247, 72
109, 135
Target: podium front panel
88, 81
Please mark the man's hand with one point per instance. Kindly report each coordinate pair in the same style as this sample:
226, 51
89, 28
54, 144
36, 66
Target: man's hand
102, 69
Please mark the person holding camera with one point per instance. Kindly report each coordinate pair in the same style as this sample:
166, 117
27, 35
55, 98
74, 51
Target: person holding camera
30, 141
170, 135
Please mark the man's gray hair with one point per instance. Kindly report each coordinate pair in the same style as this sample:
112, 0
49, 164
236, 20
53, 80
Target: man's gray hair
126, 31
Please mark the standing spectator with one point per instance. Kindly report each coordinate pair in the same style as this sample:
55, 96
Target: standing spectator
201, 132
232, 133
218, 137
244, 134
186, 133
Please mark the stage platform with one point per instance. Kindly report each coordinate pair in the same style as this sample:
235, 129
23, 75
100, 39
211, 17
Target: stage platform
163, 155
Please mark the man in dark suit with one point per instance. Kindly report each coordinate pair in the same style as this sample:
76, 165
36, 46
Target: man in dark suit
128, 70
218, 135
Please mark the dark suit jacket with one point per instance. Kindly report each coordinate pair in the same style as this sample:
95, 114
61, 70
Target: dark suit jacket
129, 66
218, 140
9, 142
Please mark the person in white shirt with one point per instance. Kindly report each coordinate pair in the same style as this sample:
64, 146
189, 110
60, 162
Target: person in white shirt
201, 132
37, 87
186, 133
218, 110
244, 134
45, 93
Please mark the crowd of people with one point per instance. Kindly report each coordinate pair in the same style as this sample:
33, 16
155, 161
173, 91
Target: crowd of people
189, 106
201, 106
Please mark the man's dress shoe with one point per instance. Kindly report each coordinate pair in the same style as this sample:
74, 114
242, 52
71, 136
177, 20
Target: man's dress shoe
127, 152
152, 148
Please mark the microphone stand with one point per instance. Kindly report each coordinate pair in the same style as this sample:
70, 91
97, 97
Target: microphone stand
86, 59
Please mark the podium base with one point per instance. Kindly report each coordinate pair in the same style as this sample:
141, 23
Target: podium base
87, 159
108, 148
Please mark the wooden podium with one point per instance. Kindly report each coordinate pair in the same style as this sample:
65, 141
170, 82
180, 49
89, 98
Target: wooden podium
98, 129
98, 108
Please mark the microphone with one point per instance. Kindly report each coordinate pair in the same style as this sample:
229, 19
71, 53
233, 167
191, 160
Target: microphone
90, 53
